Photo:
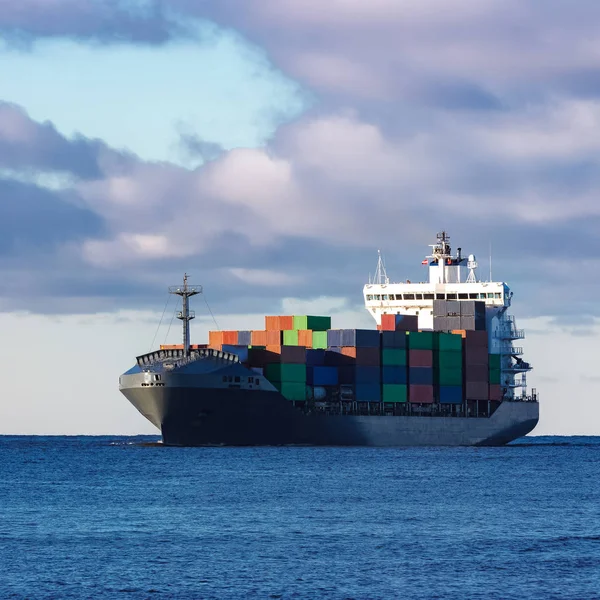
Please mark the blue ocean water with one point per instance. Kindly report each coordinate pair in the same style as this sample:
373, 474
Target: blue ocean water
110, 517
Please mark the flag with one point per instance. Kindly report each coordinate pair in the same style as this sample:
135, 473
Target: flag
424, 262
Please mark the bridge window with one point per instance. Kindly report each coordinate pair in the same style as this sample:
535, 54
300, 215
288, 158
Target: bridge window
440, 296
369, 297
409, 296
482, 296
451, 296
377, 297
385, 297
473, 296
463, 296
497, 295
427, 296
419, 296
490, 295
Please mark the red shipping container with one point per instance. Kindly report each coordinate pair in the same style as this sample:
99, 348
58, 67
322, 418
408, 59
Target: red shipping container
477, 373
258, 338
475, 390
420, 394
388, 323
230, 338
367, 357
215, 338
274, 337
477, 339
305, 338
476, 356
495, 392
286, 323
420, 358
272, 324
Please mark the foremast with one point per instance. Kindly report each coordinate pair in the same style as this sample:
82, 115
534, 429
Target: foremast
185, 314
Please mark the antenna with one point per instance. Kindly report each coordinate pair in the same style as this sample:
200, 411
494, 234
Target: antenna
185, 314
381, 274
491, 261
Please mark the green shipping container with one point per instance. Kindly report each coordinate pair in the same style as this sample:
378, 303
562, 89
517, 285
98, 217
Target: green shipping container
494, 361
312, 323
448, 359
284, 372
393, 357
290, 338
319, 339
393, 392
446, 376
448, 342
292, 390
494, 376
421, 340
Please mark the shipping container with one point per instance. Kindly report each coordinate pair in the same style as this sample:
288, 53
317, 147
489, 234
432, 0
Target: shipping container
420, 340
313, 323
319, 339
272, 323
361, 338
495, 376
285, 372
315, 358
230, 337
473, 323
305, 338
448, 341
495, 392
420, 375
450, 394
335, 358
448, 359
397, 375
388, 323
420, 394
476, 390
392, 392
453, 308
461, 332
445, 376
476, 373
476, 356
290, 337
439, 308
420, 358
245, 338
289, 354
334, 338
347, 374
259, 338
291, 390
365, 374
363, 355
393, 339
367, 392
441, 324
477, 339
241, 352
472, 308
453, 323
274, 337
215, 338
322, 376
286, 322
495, 361
407, 323
393, 356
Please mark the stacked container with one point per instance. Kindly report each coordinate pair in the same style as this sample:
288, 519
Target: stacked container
359, 361
476, 366
495, 373
394, 366
448, 368
420, 366
288, 374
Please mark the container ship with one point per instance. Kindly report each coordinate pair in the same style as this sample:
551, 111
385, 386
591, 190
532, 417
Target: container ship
441, 368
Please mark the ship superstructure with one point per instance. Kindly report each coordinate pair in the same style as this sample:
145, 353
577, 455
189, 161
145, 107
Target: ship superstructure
454, 278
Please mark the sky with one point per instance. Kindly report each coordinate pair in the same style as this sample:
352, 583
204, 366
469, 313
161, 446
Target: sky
269, 148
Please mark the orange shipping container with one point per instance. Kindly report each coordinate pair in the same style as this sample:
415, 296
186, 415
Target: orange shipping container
171, 346
462, 332
272, 324
230, 337
258, 338
275, 348
305, 338
274, 338
286, 323
215, 338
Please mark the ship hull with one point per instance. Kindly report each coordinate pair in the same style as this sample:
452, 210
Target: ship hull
196, 416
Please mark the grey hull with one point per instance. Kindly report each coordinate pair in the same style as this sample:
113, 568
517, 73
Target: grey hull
192, 415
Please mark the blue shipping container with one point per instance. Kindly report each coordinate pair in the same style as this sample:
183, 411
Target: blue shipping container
451, 394
360, 338
420, 375
393, 339
244, 338
240, 351
347, 375
315, 357
364, 374
367, 392
334, 337
391, 374
322, 376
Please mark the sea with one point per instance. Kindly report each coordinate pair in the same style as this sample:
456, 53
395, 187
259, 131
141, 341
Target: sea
125, 517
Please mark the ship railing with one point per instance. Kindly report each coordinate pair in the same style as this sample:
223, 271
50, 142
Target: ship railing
180, 359
510, 333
